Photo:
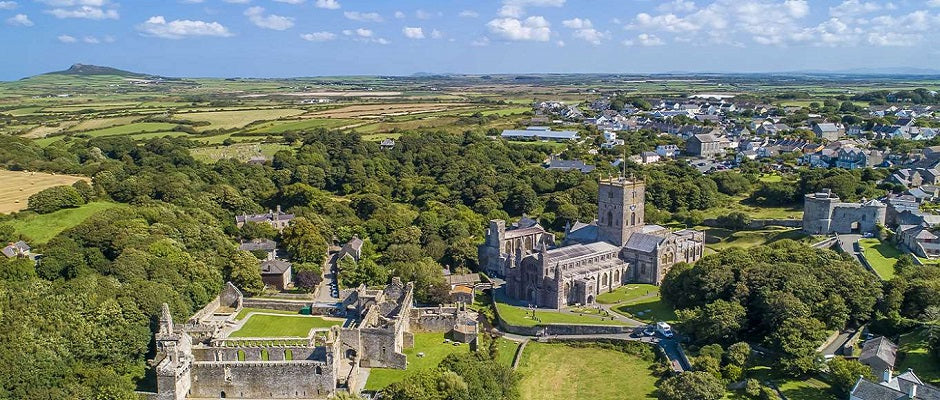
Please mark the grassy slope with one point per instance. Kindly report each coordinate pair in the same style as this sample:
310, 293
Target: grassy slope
520, 316
281, 326
881, 256
586, 373
434, 349
916, 355
719, 239
628, 293
39, 228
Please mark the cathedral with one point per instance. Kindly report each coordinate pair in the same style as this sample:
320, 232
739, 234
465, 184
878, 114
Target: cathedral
617, 248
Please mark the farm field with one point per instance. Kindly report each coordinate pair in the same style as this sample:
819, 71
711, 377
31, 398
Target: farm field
238, 151
586, 373
129, 129
17, 186
101, 123
261, 325
237, 119
881, 256
433, 347
387, 109
39, 228
304, 124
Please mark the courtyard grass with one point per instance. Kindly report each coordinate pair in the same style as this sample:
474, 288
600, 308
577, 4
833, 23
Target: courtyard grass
260, 325
522, 316
40, 228
559, 371
248, 310
628, 293
881, 256
431, 345
914, 353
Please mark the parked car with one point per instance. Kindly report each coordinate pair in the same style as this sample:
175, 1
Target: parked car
664, 329
650, 330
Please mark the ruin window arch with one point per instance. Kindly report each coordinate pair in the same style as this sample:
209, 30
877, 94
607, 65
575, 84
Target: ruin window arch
288, 355
616, 276
351, 354
610, 218
633, 218
319, 370
241, 355
264, 355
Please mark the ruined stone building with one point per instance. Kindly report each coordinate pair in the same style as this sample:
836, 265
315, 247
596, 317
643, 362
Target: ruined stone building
824, 213
617, 248
199, 359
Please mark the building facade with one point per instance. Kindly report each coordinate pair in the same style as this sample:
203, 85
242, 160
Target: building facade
596, 258
824, 213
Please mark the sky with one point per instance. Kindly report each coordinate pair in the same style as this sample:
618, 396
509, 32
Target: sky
293, 38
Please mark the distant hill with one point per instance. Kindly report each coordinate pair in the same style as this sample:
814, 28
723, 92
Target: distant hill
86, 70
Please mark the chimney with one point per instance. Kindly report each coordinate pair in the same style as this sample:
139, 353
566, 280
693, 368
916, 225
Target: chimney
886, 375
912, 391
279, 209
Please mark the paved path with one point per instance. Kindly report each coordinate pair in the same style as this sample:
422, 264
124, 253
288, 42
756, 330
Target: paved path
328, 287
847, 243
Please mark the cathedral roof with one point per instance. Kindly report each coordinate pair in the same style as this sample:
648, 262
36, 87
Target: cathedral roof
643, 242
562, 254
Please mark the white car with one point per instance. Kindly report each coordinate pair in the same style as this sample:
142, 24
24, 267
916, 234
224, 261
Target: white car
650, 330
664, 329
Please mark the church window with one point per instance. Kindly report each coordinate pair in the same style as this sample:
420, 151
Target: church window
633, 218
610, 218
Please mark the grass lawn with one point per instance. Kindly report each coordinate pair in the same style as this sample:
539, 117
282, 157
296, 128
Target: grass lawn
507, 350
770, 178
914, 353
521, 316
434, 349
584, 373
730, 204
17, 186
881, 256
246, 310
807, 389
282, 326
651, 309
719, 238
39, 228
627, 293
304, 124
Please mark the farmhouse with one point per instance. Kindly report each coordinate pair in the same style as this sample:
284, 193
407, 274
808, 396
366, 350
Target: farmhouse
277, 219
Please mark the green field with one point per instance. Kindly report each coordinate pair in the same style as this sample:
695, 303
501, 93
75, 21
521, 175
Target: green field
236, 119
140, 127
260, 325
521, 316
914, 353
739, 203
650, 310
39, 228
304, 124
507, 351
562, 372
807, 389
628, 292
881, 256
239, 151
434, 349
719, 239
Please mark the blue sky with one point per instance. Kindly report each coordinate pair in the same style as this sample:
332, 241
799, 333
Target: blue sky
288, 38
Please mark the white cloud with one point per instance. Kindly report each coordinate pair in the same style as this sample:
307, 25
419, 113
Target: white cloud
7, 5
413, 32
363, 17
644, 39
361, 32
73, 3
19, 20
481, 42
85, 12
318, 36
291, 1
577, 23
67, 39
328, 4
933, 3
560, 43
680, 6
535, 28
590, 35
399, 15
237, 1
275, 22
421, 14
474, 14
517, 8
436, 34
854, 7
158, 26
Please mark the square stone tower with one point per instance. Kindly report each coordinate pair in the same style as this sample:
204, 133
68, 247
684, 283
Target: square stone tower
620, 208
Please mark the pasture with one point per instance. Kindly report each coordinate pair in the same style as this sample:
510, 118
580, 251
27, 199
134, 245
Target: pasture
388, 110
237, 119
17, 186
40, 228
239, 151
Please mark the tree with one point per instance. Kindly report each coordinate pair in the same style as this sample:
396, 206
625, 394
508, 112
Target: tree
522, 199
731, 183
695, 385
303, 241
717, 322
738, 354
307, 276
796, 340
255, 230
245, 274
846, 372
54, 199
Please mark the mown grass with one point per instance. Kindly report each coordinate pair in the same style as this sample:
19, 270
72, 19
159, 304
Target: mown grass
628, 292
247, 310
719, 238
521, 316
260, 325
881, 256
434, 350
40, 228
648, 310
17, 186
559, 371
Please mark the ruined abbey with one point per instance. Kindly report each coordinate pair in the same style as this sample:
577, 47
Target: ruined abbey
199, 359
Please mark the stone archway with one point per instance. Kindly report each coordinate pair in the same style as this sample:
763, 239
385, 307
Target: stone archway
590, 299
351, 354
604, 280
617, 276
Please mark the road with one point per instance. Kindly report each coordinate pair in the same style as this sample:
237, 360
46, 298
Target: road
847, 243
328, 292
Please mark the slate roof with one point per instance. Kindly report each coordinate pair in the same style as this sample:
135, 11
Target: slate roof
581, 232
257, 245
879, 348
539, 133
896, 388
14, 249
574, 251
274, 267
567, 165
643, 242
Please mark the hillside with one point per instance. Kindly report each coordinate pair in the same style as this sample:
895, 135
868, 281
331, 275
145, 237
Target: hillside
86, 70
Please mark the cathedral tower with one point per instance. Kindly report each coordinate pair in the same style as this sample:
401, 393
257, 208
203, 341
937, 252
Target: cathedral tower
619, 209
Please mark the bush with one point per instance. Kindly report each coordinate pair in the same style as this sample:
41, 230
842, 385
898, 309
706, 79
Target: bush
307, 276
55, 198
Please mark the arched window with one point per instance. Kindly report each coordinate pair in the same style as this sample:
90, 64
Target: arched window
604, 280
241, 355
288, 355
264, 355
610, 218
633, 218
319, 370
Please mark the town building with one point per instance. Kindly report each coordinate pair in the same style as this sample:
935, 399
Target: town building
879, 354
901, 387
824, 213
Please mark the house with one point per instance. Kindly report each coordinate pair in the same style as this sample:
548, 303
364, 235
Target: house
879, 354
260, 246
667, 150
257, 160
915, 177
352, 248
919, 240
387, 144
461, 287
276, 273
568, 165
17, 250
539, 133
277, 219
704, 145
859, 158
903, 386
828, 130
646, 157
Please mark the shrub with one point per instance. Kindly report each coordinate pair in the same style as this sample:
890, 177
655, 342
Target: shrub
55, 198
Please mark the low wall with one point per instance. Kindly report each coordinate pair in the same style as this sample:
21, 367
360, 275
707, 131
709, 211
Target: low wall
287, 305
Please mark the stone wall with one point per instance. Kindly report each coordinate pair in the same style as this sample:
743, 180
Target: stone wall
760, 223
272, 380
285, 305
275, 353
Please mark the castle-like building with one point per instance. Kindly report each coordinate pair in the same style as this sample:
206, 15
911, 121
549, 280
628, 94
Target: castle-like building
202, 359
617, 248
824, 213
